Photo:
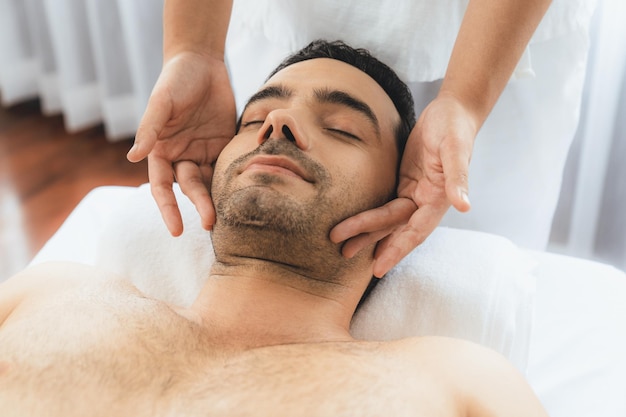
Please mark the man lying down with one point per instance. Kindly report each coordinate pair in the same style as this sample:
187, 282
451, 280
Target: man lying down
268, 334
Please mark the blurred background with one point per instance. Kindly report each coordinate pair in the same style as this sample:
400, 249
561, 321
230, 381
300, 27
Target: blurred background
75, 77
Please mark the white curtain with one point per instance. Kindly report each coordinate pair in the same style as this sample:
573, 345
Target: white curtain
96, 61
93, 60
590, 220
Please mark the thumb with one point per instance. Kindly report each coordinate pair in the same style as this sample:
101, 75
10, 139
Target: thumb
154, 119
455, 169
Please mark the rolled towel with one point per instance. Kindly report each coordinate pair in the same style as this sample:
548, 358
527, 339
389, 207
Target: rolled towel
458, 283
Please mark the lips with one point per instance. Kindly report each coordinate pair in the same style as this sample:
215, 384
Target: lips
278, 164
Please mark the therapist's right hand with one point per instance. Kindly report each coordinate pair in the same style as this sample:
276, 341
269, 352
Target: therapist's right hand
189, 118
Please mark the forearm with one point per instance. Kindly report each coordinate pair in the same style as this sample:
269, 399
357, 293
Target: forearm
197, 26
491, 40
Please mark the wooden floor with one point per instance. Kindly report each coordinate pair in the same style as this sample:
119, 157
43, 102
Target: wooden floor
45, 172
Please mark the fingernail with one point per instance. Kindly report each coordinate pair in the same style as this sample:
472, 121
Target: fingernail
378, 270
378, 274
465, 197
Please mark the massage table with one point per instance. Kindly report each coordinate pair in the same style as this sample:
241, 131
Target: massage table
560, 320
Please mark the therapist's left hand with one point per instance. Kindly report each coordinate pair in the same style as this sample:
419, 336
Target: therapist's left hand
433, 176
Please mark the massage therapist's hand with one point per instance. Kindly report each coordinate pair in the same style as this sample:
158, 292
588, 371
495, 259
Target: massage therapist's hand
189, 119
433, 175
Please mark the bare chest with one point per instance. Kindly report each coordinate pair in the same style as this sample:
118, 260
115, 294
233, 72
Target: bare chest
92, 352
134, 357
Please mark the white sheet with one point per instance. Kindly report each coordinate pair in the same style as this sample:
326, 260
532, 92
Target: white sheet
577, 361
459, 283
577, 352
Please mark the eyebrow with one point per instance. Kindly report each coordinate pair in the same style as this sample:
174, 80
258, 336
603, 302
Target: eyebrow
326, 95
273, 91
323, 95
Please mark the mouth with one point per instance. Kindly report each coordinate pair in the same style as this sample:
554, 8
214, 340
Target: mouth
277, 164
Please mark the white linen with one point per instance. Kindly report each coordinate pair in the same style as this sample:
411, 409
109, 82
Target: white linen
459, 283
77, 238
576, 362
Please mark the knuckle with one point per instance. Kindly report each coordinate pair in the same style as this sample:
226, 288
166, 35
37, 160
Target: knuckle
161, 194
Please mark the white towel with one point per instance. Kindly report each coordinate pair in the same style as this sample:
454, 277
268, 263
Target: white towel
458, 283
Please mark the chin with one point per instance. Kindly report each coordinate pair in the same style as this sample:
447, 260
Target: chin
268, 209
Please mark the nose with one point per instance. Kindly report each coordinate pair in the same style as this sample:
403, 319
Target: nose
283, 124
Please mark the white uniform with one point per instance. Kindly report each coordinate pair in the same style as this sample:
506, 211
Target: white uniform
520, 152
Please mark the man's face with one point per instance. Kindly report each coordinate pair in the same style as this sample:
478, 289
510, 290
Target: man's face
316, 145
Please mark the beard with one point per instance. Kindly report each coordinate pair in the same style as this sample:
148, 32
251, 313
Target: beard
262, 221
262, 206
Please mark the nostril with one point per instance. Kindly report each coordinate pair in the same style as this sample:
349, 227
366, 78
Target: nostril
268, 133
287, 132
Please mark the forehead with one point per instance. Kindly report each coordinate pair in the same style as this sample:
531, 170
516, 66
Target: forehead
308, 76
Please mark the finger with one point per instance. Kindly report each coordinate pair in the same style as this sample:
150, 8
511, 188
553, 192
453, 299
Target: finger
154, 119
192, 183
455, 162
394, 213
161, 180
358, 243
392, 249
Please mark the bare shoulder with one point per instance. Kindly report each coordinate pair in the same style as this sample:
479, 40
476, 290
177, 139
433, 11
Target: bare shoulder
448, 348
455, 360
487, 383
45, 280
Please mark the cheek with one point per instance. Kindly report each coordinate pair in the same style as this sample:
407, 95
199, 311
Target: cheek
368, 178
221, 165
233, 150
238, 146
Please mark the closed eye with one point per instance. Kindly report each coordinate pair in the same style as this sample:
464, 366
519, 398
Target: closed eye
252, 122
344, 133
243, 125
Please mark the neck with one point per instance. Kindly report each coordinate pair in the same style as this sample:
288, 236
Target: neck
248, 303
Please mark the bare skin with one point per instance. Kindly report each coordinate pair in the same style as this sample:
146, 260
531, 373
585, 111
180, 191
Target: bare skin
84, 343
268, 334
